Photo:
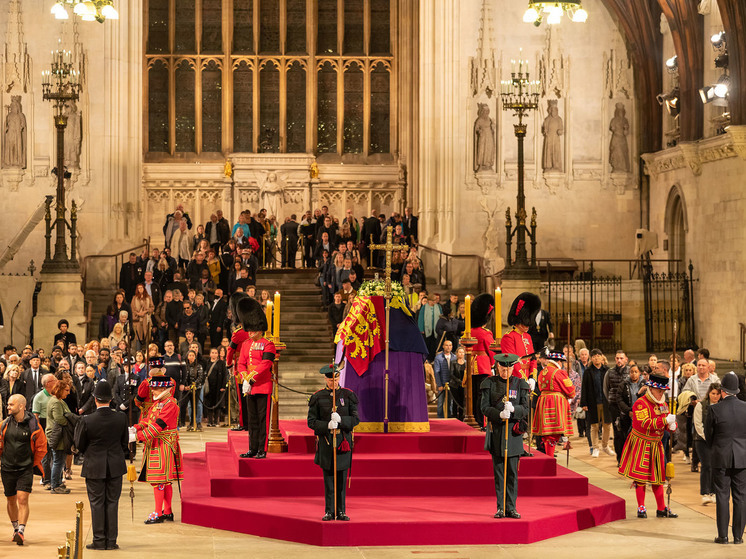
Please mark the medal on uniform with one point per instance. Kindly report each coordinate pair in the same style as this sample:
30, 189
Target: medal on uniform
512, 394
341, 401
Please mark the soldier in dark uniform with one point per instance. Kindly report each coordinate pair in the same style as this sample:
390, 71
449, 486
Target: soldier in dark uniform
496, 410
125, 390
328, 424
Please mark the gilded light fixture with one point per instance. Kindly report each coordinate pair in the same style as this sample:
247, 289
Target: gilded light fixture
87, 10
552, 12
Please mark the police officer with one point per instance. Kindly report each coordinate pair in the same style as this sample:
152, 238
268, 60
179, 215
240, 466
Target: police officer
505, 397
333, 428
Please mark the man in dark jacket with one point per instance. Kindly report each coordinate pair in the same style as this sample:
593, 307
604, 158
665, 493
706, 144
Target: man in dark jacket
130, 275
725, 433
613, 381
102, 437
289, 232
593, 401
218, 314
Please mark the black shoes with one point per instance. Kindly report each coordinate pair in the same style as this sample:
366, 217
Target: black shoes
154, 519
112, 546
169, 517
666, 513
342, 516
737, 541
239, 428
261, 454
499, 514
642, 514
93, 546
328, 516
722, 540
512, 514
249, 454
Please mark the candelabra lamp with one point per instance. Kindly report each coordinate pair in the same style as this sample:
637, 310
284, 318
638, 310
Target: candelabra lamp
61, 86
520, 95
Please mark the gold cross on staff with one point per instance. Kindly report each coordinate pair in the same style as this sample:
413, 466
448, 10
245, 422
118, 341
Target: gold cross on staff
389, 247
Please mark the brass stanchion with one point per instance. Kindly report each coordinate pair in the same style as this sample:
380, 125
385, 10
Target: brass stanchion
79, 530
231, 380
469, 343
276, 441
70, 544
447, 389
62, 552
193, 388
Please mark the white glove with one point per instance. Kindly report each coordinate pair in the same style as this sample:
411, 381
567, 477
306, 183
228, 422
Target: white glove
333, 425
670, 418
122, 407
132, 434
505, 414
673, 426
335, 417
532, 383
245, 387
509, 406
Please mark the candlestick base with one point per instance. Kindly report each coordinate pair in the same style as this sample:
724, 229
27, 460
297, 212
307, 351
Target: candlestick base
276, 441
469, 343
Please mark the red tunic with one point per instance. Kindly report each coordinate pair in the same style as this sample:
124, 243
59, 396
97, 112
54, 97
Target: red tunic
237, 339
520, 344
256, 361
162, 454
643, 459
552, 416
484, 356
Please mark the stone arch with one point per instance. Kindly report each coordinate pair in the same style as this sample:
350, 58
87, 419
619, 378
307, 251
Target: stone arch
676, 226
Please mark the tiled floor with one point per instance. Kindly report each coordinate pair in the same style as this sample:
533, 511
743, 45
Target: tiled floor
689, 535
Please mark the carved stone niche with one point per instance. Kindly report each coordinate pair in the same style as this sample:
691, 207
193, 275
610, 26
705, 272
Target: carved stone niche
554, 180
11, 178
621, 182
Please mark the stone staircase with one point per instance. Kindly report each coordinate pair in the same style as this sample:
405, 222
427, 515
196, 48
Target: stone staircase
305, 329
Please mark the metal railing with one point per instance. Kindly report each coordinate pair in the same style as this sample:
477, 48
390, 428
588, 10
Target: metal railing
569, 267
114, 265
445, 266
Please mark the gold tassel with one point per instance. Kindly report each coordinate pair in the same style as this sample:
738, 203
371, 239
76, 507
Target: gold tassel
669, 470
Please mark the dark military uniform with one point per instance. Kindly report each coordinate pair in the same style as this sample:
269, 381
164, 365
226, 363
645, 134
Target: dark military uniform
493, 391
319, 415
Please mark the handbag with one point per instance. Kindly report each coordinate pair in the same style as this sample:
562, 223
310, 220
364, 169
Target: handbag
207, 378
579, 413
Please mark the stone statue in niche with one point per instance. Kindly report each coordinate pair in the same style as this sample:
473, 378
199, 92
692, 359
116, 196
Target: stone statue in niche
14, 137
73, 136
552, 129
484, 140
271, 194
618, 150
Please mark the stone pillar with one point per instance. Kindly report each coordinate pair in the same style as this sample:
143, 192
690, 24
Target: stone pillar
60, 297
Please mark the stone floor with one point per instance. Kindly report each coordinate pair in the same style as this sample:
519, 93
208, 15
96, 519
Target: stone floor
689, 535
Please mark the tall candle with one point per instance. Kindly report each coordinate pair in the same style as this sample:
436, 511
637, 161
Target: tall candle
277, 316
269, 318
467, 316
498, 314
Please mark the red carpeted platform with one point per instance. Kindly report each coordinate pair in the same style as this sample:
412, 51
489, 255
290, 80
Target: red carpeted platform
431, 488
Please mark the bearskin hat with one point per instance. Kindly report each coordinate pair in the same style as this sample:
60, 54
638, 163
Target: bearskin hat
251, 314
233, 305
481, 308
524, 308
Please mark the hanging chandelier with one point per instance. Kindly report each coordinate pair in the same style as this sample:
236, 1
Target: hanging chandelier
87, 10
552, 12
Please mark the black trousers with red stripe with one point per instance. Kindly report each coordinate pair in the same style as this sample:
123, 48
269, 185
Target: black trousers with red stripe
258, 408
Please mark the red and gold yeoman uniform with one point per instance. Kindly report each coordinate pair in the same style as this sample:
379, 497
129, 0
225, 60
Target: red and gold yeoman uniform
162, 454
481, 350
552, 416
643, 457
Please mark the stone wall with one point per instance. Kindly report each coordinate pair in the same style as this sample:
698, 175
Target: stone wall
709, 177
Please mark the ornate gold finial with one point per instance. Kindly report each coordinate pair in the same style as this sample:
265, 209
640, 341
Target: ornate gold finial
521, 216
508, 221
533, 216
228, 169
313, 170
74, 213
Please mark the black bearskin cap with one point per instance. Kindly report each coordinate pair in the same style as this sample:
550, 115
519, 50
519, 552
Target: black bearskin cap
251, 314
481, 308
524, 309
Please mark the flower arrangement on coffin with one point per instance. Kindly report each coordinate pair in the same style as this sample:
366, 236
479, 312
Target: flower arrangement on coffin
378, 287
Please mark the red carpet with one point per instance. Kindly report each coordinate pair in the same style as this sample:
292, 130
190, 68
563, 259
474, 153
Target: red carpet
431, 488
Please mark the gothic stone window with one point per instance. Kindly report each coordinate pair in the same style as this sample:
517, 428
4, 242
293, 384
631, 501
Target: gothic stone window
288, 76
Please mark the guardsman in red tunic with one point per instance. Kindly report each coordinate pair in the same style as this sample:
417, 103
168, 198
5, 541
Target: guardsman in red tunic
643, 459
162, 455
522, 312
238, 338
552, 419
255, 369
481, 310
